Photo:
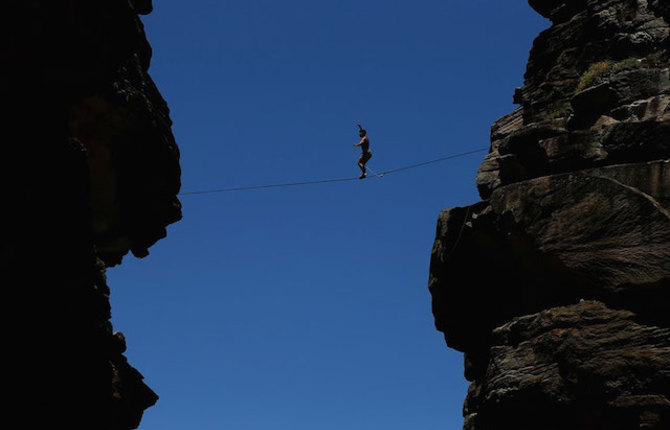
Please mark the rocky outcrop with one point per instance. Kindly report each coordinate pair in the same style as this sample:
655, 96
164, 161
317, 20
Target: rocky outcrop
556, 286
91, 172
578, 366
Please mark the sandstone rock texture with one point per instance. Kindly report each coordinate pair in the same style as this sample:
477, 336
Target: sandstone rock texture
90, 172
556, 286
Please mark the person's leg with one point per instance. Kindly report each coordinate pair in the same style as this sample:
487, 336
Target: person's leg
361, 165
363, 174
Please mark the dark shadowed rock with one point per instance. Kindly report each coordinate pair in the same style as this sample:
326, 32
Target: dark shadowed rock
92, 171
662, 8
143, 7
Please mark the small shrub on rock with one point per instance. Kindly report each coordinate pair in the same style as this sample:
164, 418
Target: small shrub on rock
593, 74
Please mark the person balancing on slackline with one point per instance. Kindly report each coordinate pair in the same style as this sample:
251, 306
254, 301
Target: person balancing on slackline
365, 147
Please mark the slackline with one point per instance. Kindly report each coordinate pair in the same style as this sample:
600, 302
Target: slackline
324, 181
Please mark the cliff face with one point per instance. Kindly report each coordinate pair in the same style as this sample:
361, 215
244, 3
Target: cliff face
90, 172
556, 286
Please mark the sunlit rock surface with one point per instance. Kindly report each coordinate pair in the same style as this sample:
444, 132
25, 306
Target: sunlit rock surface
556, 286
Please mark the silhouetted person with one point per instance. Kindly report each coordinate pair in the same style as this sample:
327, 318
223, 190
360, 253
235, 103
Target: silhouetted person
365, 147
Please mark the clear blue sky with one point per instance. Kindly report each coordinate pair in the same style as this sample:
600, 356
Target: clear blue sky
307, 307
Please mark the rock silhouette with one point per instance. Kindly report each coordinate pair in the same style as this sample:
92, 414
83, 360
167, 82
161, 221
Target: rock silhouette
91, 172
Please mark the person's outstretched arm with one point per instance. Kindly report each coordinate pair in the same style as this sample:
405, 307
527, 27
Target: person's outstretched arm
361, 142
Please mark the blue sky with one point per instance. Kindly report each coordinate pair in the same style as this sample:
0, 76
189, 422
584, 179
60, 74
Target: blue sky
307, 307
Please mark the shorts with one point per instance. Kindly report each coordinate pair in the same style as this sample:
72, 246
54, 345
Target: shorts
365, 157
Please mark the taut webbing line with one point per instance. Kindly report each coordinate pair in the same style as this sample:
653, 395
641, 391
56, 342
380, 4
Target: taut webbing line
323, 181
259, 187
448, 157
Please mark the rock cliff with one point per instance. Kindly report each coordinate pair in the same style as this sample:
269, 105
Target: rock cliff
556, 286
90, 172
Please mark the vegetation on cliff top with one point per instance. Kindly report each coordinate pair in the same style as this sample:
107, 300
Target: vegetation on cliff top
598, 71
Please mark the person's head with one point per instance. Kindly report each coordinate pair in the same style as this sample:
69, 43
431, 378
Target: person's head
361, 131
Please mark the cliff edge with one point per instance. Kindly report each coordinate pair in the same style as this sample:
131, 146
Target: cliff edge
90, 172
556, 286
